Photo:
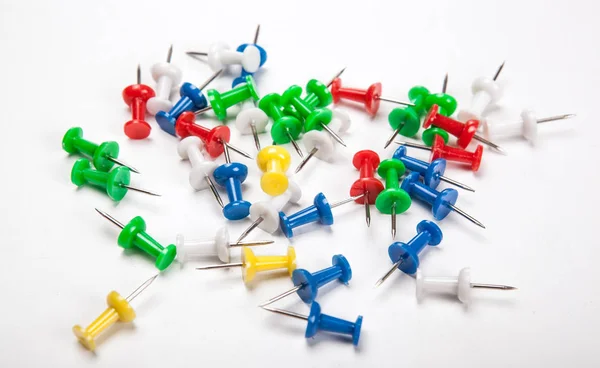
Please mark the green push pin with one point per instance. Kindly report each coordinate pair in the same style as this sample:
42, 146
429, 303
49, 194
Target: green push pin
285, 128
392, 200
134, 235
220, 102
317, 94
429, 135
104, 156
115, 182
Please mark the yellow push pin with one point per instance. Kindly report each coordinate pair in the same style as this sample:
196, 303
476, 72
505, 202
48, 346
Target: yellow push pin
274, 162
118, 310
253, 264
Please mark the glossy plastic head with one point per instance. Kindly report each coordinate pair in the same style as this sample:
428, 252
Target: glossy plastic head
336, 84
439, 150
428, 135
233, 170
417, 95
105, 149
321, 141
447, 104
134, 91
290, 94
316, 119
440, 208
317, 321
324, 209
262, 52
489, 86
129, 233
372, 98
68, 141
222, 245
434, 171
284, 125
273, 161
194, 94
169, 70
408, 118
410, 255
214, 55
366, 183
321, 91
137, 129
390, 196
252, 116
251, 58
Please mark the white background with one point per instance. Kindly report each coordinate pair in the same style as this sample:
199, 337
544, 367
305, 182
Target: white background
65, 65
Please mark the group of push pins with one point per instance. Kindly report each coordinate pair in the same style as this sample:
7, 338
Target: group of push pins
296, 115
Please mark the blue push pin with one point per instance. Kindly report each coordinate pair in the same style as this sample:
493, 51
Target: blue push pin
191, 99
231, 176
442, 203
319, 321
320, 211
307, 284
263, 58
406, 255
432, 172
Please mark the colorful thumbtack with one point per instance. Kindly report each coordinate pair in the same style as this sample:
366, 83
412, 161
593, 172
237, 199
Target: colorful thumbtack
242, 48
136, 96
231, 176
190, 148
285, 129
167, 77
220, 102
370, 97
485, 92
440, 150
220, 56
366, 161
273, 161
252, 120
393, 199
527, 127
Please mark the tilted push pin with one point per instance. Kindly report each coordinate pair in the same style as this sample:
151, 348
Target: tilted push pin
285, 129
460, 286
317, 93
526, 128
252, 120
167, 77
218, 247
442, 203
485, 92
440, 150
265, 214
115, 182
393, 199
136, 96
190, 148
252, 264
242, 48
273, 161
370, 97
191, 99
320, 212
220, 56
320, 145
231, 176
317, 321
104, 156
366, 161
307, 284
118, 310
220, 102
405, 256
432, 173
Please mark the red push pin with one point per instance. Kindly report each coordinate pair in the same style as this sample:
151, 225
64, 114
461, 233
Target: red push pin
464, 132
370, 97
214, 139
135, 96
366, 161
440, 150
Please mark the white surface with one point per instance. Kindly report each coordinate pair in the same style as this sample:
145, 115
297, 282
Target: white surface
61, 258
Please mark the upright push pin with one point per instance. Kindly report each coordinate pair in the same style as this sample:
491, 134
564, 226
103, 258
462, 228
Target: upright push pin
115, 182
285, 129
167, 77
526, 128
231, 176
442, 203
366, 162
190, 148
440, 150
252, 264
273, 161
220, 102
370, 97
118, 310
460, 286
104, 156
218, 247
307, 284
405, 256
485, 92
134, 235
317, 321
393, 199
242, 48
136, 96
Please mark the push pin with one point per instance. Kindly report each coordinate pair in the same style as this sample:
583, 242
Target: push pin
218, 247
115, 182
405, 256
485, 92
321, 146
167, 77
265, 214
317, 93
526, 128
370, 97
252, 264
317, 321
393, 199
320, 212
215, 139
242, 48
307, 284
220, 56
273, 161
432, 173
285, 129
118, 310
134, 235
442, 203
190, 148
136, 96
231, 176
366, 161
252, 120
191, 99
220, 102
460, 286
104, 156
440, 150
464, 132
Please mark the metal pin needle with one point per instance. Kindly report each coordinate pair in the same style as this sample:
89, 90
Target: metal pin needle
141, 288
492, 286
466, 215
169, 54
367, 209
305, 160
336, 77
389, 273
226, 265
234, 148
255, 135
139, 74
286, 313
110, 218
252, 226
283, 295
396, 132
256, 33
499, 70
445, 85
214, 191
293, 142
333, 134
456, 183
121, 163
140, 190
554, 118
347, 200
393, 215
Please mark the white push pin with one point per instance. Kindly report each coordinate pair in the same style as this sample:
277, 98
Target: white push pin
526, 128
460, 286
167, 77
219, 247
485, 92
252, 120
190, 148
320, 144
265, 214
219, 55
